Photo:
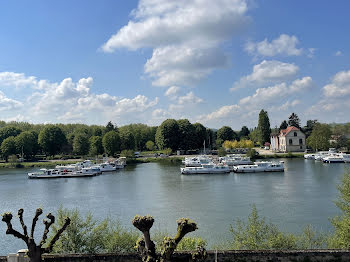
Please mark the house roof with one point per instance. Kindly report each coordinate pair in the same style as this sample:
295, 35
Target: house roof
285, 132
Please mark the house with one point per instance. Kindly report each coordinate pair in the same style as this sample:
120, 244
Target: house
291, 139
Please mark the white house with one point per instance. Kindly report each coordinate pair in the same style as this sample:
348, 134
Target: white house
290, 139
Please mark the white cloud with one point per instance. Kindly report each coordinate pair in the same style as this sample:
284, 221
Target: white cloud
267, 72
189, 98
311, 52
172, 92
185, 37
16, 79
8, 103
283, 45
339, 86
338, 53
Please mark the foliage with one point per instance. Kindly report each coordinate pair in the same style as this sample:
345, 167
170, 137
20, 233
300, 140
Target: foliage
258, 234
150, 145
252, 153
167, 151
341, 223
294, 120
191, 243
27, 142
310, 124
222, 151
127, 140
81, 144
8, 147
111, 143
96, 147
87, 235
264, 127
238, 144
187, 134
8, 131
283, 125
200, 135
167, 135
244, 132
110, 127
319, 138
226, 133
255, 135
51, 139
127, 153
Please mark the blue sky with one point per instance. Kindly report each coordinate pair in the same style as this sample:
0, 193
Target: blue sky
217, 62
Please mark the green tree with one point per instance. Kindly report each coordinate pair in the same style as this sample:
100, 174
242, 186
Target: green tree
110, 127
167, 135
341, 223
319, 138
294, 120
283, 125
87, 235
51, 139
127, 139
8, 131
81, 144
27, 143
96, 147
244, 133
8, 147
264, 127
150, 145
111, 143
310, 124
187, 134
200, 135
226, 133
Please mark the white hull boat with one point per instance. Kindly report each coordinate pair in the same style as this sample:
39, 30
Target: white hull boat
54, 173
206, 169
107, 167
333, 158
260, 167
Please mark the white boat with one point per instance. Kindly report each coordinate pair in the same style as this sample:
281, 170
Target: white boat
333, 158
264, 166
197, 161
210, 168
94, 170
120, 163
346, 158
107, 167
234, 160
309, 156
55, 173
320, 155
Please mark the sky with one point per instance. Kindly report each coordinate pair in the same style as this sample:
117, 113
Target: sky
214, 62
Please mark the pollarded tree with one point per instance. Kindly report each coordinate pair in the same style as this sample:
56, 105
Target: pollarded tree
294, 120
96, 147
81, 144
167, 135
8, 147
111, 143
187, 134
51, 139
34, 251
264, 127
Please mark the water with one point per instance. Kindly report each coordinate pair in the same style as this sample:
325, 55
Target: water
302, 195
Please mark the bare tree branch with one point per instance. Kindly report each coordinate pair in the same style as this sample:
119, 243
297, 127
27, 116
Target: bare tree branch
20, 215
38, 212
47, 223
7, 217
56, 237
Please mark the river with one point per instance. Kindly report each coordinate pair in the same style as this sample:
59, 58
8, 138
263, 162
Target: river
302, 195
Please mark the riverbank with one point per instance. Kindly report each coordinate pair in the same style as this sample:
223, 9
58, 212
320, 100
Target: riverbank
42, 164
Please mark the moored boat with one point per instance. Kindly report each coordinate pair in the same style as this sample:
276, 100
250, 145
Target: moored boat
55, 173
264, 166
210, 168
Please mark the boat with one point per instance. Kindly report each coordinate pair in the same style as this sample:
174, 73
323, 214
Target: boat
333, 158
234, 160
107, 167
196, 161
209, 168
120, 163
309, 156
264, 166
55, 173
346, 157
95, 170
321, 154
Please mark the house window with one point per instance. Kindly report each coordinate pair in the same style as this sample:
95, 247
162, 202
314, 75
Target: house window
290, 141
300, 142
295, 134
301, 147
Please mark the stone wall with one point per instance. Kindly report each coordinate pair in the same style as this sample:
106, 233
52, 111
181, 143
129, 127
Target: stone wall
213, 256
